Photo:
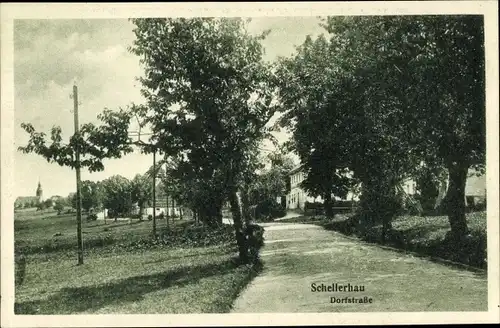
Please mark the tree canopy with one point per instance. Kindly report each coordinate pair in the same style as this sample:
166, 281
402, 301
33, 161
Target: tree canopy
382, 95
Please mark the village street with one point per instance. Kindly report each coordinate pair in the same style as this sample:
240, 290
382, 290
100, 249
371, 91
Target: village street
298, 255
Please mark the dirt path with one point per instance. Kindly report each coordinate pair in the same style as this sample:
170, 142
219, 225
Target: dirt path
298, 255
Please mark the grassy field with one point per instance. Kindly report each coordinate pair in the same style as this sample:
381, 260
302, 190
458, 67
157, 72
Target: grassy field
47, 234
124, 270
424, 235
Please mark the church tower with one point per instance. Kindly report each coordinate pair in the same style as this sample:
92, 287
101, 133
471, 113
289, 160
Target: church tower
39, 192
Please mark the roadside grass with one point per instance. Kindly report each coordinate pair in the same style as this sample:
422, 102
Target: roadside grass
188, 269
203, 280
423, 235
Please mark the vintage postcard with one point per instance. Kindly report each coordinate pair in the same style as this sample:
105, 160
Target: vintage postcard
199, 164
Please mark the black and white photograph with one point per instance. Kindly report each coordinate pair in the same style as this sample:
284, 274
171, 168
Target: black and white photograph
250, 163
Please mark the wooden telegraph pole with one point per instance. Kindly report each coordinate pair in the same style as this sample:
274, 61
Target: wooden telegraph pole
154, 192
78, 182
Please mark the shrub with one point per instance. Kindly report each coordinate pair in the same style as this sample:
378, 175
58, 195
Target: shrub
150, 217
412, 206
255, 238
20, 263
268, 210
378, 207
315, 207
92, 217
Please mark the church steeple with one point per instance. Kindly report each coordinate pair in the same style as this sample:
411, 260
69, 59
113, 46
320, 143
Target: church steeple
39, 191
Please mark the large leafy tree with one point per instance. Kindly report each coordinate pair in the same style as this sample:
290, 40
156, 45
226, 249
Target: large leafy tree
384, 94
314, 98
433, 66
208, 100
91, 195
142, 191
271, 182
117, 195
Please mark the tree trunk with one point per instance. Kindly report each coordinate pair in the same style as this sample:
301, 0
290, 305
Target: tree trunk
328, 205
238, 227
455, 200
245, 204
141, 211
218, 213
167, 209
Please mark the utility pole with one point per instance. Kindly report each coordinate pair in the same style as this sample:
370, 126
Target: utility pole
154, 192
78, 181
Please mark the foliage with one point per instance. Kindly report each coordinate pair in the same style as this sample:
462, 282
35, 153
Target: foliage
208, 99
92, 195
361, 92
20, 267
412, 205
94, 143
46, 204
59, 206
268, 209
270, 184
142, 191
426, 235
255, 235
92, 217
428, 181
117, 195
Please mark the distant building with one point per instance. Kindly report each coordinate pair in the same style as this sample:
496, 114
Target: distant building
297, 197
164, 204
30, 201
475, 190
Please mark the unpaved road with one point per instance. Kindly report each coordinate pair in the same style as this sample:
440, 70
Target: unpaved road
296, 256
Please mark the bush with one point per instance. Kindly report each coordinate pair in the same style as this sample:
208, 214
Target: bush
150, 217
315, 206
92, 217
412, 206
255, 238
20, 264
378, 207
268, 210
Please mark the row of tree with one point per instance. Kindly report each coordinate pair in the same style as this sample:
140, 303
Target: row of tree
387, 98
376, 97
208, 97
117, 194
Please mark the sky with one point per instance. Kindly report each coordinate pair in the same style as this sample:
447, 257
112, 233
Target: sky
51, 55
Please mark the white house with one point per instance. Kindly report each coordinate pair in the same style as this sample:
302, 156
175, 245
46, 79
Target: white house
297, 197
162, 206
475, 190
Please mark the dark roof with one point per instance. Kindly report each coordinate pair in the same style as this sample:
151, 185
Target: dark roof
162, 202
296, 169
